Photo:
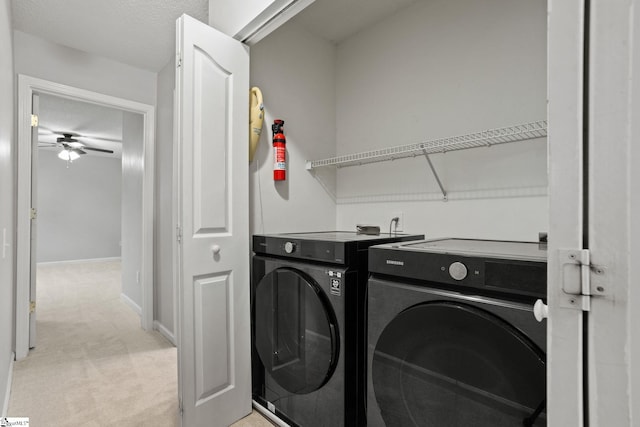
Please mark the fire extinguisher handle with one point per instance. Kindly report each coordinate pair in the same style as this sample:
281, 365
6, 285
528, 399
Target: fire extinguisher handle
279, 151
277, 125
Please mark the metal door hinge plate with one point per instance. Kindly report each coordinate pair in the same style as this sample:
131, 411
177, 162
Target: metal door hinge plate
581, 279
33, 213
34, 120
179, 234
32, 307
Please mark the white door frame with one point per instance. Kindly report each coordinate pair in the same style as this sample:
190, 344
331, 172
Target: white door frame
565, 368
613, 209
26, 87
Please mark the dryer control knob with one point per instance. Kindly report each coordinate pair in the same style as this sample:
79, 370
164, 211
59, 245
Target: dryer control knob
289, 247
458, 270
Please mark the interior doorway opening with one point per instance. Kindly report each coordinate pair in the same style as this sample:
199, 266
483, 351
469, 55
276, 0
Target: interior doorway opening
87, 189
27, 87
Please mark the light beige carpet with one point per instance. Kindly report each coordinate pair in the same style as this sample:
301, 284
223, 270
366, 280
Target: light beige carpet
93, 365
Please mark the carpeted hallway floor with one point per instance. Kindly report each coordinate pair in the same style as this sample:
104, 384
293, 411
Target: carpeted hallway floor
93, 365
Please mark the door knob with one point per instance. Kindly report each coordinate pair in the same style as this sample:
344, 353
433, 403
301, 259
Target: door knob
215, 249
540, 310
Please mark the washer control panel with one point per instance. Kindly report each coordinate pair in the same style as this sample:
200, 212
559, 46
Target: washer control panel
457, 270
523, 277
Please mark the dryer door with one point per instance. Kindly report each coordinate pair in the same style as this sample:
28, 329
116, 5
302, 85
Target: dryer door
451, 364
296, 332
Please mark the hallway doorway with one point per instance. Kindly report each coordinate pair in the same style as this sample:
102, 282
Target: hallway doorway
27, 87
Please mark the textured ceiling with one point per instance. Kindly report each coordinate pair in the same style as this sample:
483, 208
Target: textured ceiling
337, 20
142, 32
139, 33
95, 125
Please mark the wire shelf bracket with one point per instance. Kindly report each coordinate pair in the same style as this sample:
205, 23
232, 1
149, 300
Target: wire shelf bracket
435, 174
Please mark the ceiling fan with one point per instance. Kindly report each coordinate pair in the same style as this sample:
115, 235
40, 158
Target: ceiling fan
72, 148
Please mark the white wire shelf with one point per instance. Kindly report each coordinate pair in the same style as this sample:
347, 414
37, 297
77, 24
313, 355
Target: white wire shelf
486, 138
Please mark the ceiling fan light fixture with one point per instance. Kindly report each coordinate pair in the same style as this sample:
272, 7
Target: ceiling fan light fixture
68, 155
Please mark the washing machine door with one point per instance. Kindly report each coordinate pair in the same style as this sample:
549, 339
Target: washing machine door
296, 330
450, 364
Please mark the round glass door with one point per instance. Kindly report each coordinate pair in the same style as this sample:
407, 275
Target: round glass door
296, 331
450, 364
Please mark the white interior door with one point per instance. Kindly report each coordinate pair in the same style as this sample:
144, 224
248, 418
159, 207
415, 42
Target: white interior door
35, 111
212, 92
565, 344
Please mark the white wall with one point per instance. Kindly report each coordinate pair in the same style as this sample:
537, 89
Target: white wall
132, 178
78, 207
443, 68
7, 201
164, 227
296, 73
50, 61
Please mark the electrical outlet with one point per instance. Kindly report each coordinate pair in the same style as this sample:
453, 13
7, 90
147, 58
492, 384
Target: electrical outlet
400, 224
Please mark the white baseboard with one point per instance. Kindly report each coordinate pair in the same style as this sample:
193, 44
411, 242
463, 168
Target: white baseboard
5, 405
164, 332
131, 303
79, 261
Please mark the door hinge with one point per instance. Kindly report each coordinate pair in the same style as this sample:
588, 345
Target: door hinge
581, 279
178, 60
180, 408
34, 120
178, 234
33, 213
32, 307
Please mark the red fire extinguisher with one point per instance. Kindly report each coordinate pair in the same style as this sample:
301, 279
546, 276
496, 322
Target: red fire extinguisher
279, 151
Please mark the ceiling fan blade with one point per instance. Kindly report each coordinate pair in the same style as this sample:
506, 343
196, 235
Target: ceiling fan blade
79, 151
66, 133
88, 137
66, 138
98, 139
97, 149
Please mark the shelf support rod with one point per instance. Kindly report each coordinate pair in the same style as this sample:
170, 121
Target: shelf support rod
435, 174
